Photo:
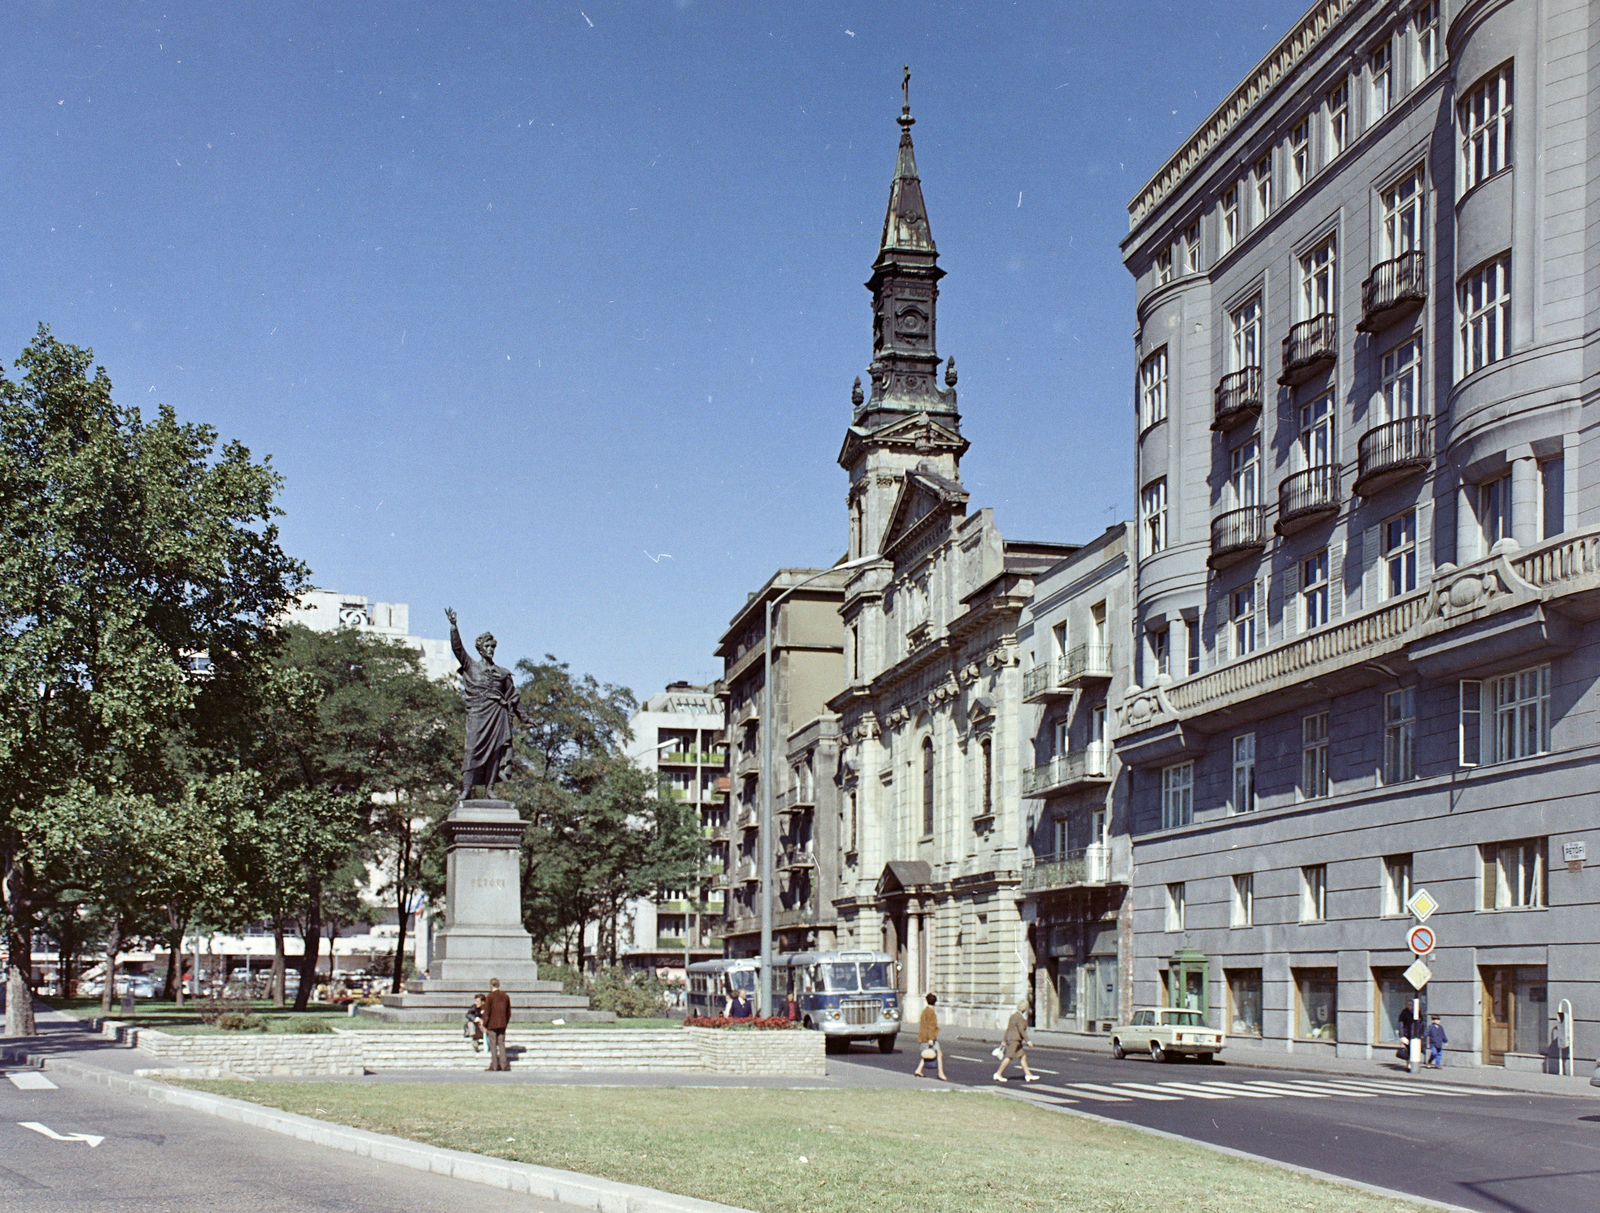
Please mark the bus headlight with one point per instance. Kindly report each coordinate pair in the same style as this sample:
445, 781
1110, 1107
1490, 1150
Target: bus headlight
833, 1014
889, 1013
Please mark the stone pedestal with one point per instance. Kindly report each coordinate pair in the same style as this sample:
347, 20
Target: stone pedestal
482, 935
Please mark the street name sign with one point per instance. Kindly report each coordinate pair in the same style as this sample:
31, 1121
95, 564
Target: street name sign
1418, 975
1422, 904
1421, 939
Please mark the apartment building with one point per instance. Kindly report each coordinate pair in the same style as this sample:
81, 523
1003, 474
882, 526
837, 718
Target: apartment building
1367, 578
807, 670
1077, 863
329, 610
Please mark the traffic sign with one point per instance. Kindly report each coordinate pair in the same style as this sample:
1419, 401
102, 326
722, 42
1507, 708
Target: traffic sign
1417, 975
1420, 939
1422, 904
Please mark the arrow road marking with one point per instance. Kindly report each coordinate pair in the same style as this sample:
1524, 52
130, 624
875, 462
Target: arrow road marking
54, 1136
30, 1080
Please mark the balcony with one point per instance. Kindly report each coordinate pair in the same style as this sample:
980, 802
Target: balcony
1394, 289
1238, 399
1307, 498
1058, 678
797, 857
1310, 348
1089, 865
747, 873
749, 817
1087, 767
1237, 535
1392, 452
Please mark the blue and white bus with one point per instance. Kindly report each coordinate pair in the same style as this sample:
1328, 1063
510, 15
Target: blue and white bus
713, 983
844, 995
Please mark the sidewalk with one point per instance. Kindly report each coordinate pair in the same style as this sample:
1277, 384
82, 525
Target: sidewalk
1383, 1063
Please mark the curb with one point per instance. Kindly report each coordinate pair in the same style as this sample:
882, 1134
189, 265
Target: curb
1310, 1172
547, 1183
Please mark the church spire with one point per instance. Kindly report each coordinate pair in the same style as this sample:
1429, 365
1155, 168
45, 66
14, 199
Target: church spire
905, 226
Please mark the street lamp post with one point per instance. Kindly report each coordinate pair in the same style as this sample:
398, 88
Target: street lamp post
764, 822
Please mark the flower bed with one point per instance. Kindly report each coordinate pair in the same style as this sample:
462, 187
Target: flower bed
767, 1023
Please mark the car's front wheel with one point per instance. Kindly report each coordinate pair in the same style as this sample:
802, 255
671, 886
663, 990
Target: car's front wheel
1157, 1053
1117, 1050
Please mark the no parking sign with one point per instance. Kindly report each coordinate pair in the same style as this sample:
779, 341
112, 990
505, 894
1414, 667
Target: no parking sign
1421, 939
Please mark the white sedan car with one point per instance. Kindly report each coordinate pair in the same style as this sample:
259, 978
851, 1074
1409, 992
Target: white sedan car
1166, 1033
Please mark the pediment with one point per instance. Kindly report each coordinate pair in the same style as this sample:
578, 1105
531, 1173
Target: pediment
922, 492
917, 431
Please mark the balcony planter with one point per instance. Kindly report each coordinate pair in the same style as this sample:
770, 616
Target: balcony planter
1307, 497
1394, 289
1238, 399
1237, 535
1310, 348
1391, 452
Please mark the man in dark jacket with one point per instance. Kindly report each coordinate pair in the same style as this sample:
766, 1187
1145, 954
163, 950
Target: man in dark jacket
496, 1015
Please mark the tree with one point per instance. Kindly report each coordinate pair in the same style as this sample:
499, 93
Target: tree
128, 549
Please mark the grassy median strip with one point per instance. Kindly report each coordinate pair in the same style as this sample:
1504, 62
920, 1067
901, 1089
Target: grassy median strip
185, 1020
796, 1151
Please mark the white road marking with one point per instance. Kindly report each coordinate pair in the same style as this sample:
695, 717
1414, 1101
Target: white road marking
1238, 1088
31, 1080
1087, 1090
1396, 1088
54, 1136
1054, 1090
1125, 1089
1041, 1070
958, 1057
1189, 1088
1327, 1088
1279, 1088
1362, 1084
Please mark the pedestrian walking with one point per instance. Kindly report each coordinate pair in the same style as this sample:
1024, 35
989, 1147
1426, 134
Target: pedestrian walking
1015, 1045
1433, 1036
496, 1016
928, 1039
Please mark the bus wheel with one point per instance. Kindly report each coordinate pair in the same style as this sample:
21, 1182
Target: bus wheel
886, 1044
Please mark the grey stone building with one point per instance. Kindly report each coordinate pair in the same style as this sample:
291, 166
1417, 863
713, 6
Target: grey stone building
1368, 530
1077, 864
928, 716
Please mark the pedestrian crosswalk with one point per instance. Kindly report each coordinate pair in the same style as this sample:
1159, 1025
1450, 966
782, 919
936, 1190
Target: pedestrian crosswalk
30, 1080
1068, 1092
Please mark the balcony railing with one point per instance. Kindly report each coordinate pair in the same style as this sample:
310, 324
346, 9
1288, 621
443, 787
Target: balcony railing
747, 871
1086, 865
1310, 347
1393, 289
1307, 496
1391, 452
1090, 765
798, 857
1237, 535
1057, 677
1238, 398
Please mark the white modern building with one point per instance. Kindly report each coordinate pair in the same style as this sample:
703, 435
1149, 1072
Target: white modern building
329, 610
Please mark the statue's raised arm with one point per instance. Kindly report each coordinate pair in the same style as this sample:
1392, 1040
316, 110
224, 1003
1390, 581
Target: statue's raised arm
492, 700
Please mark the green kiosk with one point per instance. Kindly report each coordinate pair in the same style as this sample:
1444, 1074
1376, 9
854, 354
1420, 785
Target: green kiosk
1189, 981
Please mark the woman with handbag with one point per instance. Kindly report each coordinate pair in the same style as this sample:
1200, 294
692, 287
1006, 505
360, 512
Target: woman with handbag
928, 1039
1015, 1045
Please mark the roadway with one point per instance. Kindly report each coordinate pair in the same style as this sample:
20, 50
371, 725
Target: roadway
1484, 1148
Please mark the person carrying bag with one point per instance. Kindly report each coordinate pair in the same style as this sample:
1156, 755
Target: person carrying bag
928, 1039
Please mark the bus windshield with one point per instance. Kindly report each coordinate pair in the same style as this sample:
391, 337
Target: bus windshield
841, 976
742, 979
875, 975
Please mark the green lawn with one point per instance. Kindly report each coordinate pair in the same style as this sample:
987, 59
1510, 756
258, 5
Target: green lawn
185, 1020
795, 1151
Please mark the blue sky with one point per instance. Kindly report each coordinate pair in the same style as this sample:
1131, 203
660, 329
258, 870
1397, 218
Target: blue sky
550, 312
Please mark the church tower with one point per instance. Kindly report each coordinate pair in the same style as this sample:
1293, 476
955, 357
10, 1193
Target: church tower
905, 421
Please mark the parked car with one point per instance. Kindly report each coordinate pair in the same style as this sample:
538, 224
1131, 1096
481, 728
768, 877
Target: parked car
1165, 1033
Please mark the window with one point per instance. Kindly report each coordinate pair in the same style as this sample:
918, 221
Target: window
1403, 216
1299, 156
987, 753
1314, 893
851, 806
1153, 517
1244, 1002
1161, 652
1246, 325
1244, 473
1494, 510
1396, 885
1485, 307
1059, 635
1175, 906
1338, 111
1153, 389
1400, 555
1316, 432
1230, 219
1243, 912
1400, 735
1314, 590
1552, 496
1192, 628
1177, 795
1316, 281
1244, 773
1514, 875
1261, 176
1193, 258
1317, 1004
1314, 756
1522, 714
1242, 611
1060, 836
1063, 738
1425, 43
1163, 267
1469, 732
927, 786
1402, 381
1485, 124
1380, 76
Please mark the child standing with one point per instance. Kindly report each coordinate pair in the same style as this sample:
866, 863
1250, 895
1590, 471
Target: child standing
1436, 1040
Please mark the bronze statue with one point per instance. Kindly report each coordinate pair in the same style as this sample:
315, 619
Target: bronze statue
492, 701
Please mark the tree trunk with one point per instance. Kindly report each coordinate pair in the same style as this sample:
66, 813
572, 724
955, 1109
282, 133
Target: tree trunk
173, 988
19, 941
113, 948
277, 962
400, 946
402, 894
313, 944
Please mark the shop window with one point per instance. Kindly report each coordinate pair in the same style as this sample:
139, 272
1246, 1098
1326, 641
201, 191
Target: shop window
1244, 1002
1394, 995
1316, 997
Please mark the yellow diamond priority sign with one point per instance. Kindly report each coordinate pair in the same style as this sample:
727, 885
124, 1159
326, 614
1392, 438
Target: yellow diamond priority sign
1418, 975
1422, 904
